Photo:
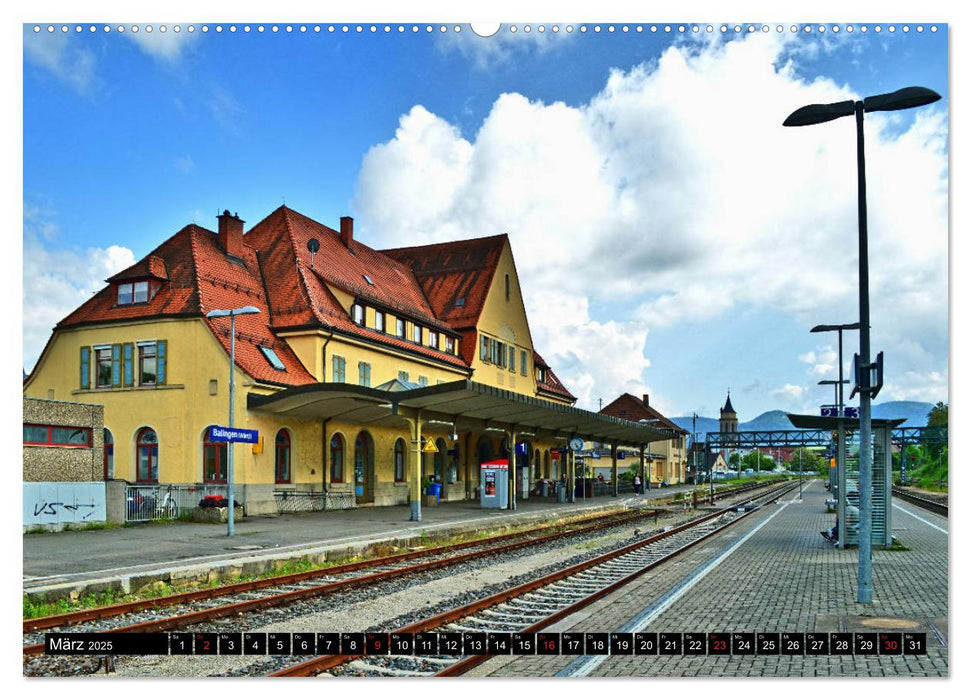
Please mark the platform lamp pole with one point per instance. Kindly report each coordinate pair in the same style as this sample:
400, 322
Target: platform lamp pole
839, 328
905, 98
232, 313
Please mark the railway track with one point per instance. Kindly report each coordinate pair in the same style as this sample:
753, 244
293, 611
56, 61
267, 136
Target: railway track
925, 503
279, 584
236, 599
531, 606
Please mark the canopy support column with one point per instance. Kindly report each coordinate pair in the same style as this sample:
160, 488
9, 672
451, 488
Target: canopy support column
613, 467
414, 466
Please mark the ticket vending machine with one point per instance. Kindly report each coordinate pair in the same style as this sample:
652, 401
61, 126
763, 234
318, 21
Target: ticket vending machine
494, 484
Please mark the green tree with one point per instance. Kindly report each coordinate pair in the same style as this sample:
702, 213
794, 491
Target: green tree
753, 461
937, 416
811, 461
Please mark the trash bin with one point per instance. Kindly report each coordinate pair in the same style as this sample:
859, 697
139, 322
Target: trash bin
560, 493
544, 489
435, 489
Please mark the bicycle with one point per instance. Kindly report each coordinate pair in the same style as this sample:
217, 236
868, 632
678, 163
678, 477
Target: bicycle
167, 508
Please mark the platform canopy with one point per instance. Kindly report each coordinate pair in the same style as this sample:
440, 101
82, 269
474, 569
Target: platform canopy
811, 422
464, 404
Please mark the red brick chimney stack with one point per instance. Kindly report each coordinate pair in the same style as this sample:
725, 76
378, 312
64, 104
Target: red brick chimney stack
347, 230
231, 233
647, 399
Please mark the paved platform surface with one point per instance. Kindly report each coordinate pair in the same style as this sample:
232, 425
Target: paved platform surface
783, 578
130, 557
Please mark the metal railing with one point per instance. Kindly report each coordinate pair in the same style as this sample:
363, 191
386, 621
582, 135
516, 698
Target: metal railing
298, 501
160, 502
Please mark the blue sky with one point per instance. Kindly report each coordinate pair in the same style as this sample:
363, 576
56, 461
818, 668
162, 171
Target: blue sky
672, 238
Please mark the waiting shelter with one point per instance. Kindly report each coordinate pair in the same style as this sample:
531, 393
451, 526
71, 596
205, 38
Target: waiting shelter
846, 485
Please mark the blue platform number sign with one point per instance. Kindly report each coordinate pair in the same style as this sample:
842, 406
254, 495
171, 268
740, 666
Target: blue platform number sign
218, 433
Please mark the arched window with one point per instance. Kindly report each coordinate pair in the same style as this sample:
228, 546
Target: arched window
399, 460
282, 459
337, 458
146, 450
215, 460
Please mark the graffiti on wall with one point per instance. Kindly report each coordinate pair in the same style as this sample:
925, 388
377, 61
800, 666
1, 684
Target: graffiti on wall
54, 503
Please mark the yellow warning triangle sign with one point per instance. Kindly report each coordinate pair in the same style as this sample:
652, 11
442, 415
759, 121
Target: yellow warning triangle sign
429, 446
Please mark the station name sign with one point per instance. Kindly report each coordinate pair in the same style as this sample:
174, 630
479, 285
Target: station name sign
218, 433
834, 412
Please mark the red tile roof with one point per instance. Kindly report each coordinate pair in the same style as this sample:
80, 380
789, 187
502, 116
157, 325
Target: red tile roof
303, 299
629, 407
201, 279
454, 271
149, 266
292, 288
552, 385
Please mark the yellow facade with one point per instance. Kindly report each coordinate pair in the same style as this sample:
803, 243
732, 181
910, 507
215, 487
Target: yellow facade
195, 393
667, 463
504, 319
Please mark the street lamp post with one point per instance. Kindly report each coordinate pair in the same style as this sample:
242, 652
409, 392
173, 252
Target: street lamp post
905, 98
839, 328
837, 390
232, 313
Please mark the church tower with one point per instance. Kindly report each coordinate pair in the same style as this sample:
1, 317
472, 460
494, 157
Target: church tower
728, 422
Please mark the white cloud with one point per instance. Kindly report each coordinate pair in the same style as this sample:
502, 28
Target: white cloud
64, 56
790, 394
675, 194
58, 281
167, 46
593, 355
822, 365
501, 47
224, 109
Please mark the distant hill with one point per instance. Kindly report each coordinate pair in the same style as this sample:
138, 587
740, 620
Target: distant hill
915, 413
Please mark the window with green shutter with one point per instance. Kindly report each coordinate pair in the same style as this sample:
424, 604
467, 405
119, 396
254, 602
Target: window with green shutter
162, 347
85, 367
116, 365
129, 356
339, 366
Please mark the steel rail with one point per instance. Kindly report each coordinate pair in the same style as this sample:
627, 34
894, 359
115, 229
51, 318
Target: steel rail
323, 663
117, 609
470, 662
78, 616
177, 621
925, 503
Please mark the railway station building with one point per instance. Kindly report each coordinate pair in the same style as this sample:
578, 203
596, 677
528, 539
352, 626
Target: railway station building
367, 373
666, 461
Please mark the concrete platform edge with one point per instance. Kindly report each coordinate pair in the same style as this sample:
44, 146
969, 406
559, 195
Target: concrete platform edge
229, 567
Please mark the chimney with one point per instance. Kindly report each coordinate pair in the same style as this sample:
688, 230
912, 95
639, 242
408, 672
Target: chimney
231, 233
647, 399
347, 230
